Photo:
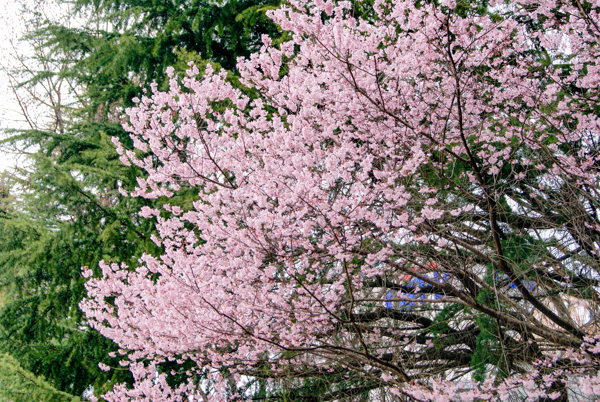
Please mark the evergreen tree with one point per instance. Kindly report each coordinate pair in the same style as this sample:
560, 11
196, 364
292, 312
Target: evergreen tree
19, 385
129, 44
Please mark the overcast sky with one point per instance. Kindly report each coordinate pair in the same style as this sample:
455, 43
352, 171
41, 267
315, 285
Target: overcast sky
12, 26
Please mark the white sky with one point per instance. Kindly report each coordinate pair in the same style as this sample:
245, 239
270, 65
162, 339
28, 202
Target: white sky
11, 27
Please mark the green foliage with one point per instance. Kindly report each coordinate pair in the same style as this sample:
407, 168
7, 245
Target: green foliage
60, 223
19, 385
489, 348
115, 64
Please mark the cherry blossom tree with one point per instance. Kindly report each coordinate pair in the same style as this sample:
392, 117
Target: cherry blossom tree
407, 207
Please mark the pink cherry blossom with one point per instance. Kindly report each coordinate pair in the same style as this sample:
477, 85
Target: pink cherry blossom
428, 154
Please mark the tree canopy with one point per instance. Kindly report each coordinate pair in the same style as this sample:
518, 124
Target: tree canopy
127, 45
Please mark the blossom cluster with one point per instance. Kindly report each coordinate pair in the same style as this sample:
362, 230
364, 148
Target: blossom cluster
374, 157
